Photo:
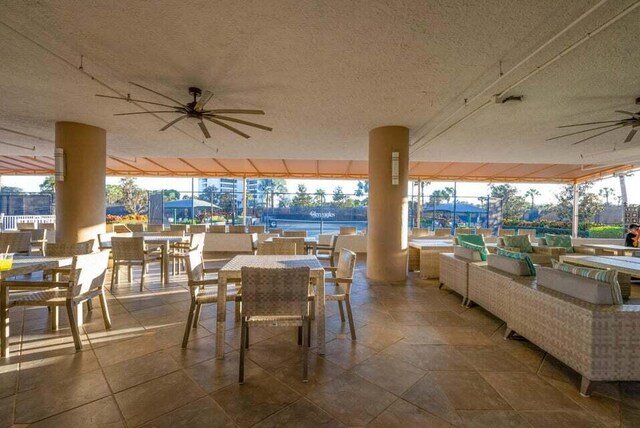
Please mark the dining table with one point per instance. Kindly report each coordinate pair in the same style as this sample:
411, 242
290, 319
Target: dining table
616, 250
232, 271
22, 265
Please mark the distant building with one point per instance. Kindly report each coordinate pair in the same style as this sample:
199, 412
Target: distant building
230, 185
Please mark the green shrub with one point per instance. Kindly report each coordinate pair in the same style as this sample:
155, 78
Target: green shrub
606, 232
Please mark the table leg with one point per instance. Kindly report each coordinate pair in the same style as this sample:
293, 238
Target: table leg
320, 322
221, 316
4, 320
165, 262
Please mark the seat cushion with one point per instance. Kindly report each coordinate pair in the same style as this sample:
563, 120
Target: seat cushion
581, 287
562, 241
520, 257
522, 242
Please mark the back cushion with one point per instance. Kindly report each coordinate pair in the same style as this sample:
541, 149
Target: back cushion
466, 253
563, 241
508, 265
522, 242
518, 256
471, 239
587, 289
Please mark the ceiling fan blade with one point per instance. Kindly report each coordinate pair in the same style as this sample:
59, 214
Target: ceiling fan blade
629, 113
630, 136
204, 99
596, 135
147, 112
157, 93
204, 129
173, 122
244, 122
136, 100
590, 123
224, 125
580, 132
236, 111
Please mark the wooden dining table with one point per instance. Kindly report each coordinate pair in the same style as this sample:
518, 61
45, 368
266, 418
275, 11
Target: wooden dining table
232, 271
22, 265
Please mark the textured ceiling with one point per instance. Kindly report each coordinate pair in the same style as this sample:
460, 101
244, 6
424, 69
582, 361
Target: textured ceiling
326, 72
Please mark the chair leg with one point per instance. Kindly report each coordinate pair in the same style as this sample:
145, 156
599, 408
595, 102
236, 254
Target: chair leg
89, 305
130, 273
508, 333
585, 387
352, 326
341, 311
187, 329
300, 333
55, 317
246, 345
105, 310
238, 311
142, 275
113, 276
74, 327
196, 318
306, 327
243, 338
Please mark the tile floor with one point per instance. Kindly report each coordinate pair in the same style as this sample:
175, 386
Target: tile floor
420, 360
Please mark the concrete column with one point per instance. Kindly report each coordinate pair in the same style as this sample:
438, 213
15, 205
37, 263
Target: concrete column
388, 205
80, 198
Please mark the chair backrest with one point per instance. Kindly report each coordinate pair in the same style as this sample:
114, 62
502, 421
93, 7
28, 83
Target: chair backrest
38, 234
127, 249
88, 273
348, 230
237, 229
121, 228
155, 227
172, 232
181, 227
442, 231
257, 229
275, 292
346, 265
506, 232
530, 232
195, 266
104, 239
48, 226
135, 227
277, 248
294, 234
300, 248
218, 228
196, 242
462, 231
15, 242
198, 228
418, 232
484, 232
328, 240
68, 250
279, 231
25, 225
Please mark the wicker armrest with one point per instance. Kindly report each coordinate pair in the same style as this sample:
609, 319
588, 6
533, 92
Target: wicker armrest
340, 280
203, 282
331, 268
211, 270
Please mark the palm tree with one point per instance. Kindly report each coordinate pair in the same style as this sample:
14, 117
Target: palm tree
532, 193
606, 192
623, 187
272, 188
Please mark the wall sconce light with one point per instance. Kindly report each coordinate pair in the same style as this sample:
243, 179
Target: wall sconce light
58, 157
395, 168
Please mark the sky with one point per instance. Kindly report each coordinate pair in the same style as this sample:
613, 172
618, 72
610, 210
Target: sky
547, 191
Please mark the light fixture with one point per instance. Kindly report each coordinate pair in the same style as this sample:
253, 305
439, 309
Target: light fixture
395, 168
58, 157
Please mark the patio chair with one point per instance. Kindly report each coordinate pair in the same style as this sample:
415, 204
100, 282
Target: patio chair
217, 228
326, 248
342, 286
442, 232
530, 232
173, 232
237, 229
178, 251
104, 239
198, 228
67, 250
484, 232
200, 295
462, 231
257, 229
38, 241
51, 230
283, 248
294, 234
418, 232
132, 252
348, 230
121, 228
155, 227
300, 247
25, 225
279, 231
16, 242
135, 227
86, 281
506, 232
275, 298
180, 227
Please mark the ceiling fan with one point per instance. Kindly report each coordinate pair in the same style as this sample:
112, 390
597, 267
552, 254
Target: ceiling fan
195, 110
633, 121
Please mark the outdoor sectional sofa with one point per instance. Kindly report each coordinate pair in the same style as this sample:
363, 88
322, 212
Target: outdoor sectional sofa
571, 317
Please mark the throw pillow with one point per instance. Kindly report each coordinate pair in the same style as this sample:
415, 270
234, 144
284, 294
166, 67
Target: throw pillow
479, 248
563, 241
518, 241
518, 256
471, 239
608, 276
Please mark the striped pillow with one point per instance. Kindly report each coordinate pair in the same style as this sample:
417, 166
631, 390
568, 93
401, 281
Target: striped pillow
518, 256
608, 276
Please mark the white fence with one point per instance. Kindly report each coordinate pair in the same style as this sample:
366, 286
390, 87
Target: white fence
9, 222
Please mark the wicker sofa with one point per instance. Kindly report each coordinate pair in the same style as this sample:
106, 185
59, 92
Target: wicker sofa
540, 255
454, 270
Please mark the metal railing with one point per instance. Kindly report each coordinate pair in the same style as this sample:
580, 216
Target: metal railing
9, 222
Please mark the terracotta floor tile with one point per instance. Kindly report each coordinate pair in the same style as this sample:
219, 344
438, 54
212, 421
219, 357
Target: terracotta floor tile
215, 374
347, 353
560, 418
402, 414
100, 413
389, 373
429, 357
429, 395
301, 414
135, 371
492, 418
203, 412
320, 369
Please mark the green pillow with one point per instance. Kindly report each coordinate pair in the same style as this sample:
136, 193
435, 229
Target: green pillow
521, 242
609, 276
479, 248
518, 256
471, 239
563, 241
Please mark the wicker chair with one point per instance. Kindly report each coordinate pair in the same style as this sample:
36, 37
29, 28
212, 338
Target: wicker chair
275, 298
506, 232
348, 230
135, 227
38, 241
237, 229
173, 232
294, 234
484, 232
67, 250
442, 232
104, 239
326, 248
530, 232
132, 252
257, 229
51, 230
16, 242
178, 251
86, 281
121, 228
342, 281
217, 228
155, 227
200, 295
279, 231
25, 225
300, 247
462, 231
198, 228
179, 227
283, 248
418, 232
